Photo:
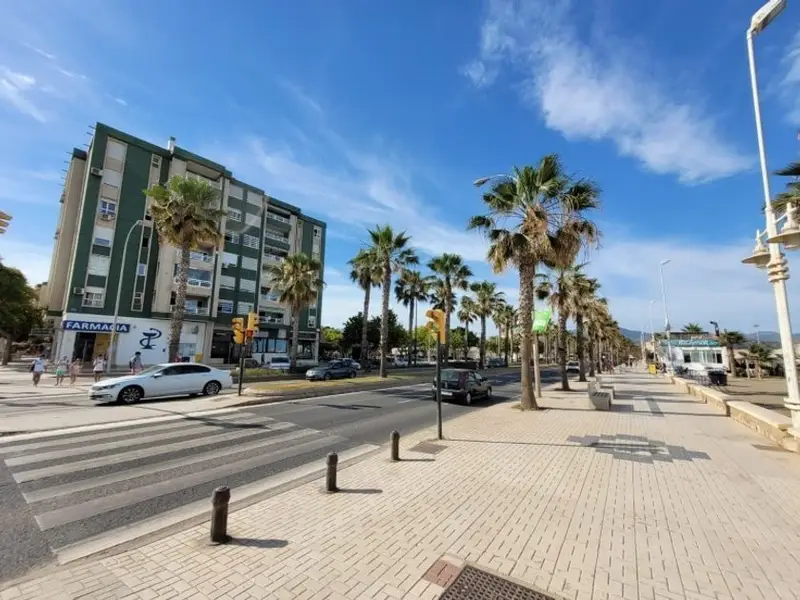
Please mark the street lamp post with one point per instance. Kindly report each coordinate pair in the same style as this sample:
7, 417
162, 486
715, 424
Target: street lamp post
667, 327
653, 333
777, 268
112, 355
758, 334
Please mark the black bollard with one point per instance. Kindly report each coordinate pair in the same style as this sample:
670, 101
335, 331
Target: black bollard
395, 446
219, 515
330, 478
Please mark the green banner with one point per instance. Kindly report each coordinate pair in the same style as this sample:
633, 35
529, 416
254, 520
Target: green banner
541, 319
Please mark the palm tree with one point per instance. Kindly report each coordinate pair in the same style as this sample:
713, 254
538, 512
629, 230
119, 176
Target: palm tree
366, 272
298, 281
692, 328
466, 314
729, 339
453, 274
525, 210
393, 255
411, 288
487, 300
506, 318
585, 290
596, 311
560, 291
761, 355
186, 214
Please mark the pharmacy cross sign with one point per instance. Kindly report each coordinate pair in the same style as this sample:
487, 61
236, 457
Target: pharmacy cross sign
636, 448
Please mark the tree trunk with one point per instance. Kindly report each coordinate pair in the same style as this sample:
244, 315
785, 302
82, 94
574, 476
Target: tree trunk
466, 340
590, 350
526, 277
295, 338
508, 344
387, 285
365, 330
731, 361
410, 330
416, 324
482, 350
446, 345
562, 350
179, 310
579, 343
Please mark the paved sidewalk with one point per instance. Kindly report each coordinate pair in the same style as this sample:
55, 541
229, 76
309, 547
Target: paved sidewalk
659, 498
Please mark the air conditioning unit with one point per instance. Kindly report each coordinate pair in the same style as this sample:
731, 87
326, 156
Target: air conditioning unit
96, 171
78, 291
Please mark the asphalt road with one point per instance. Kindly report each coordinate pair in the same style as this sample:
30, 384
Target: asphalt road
59, 491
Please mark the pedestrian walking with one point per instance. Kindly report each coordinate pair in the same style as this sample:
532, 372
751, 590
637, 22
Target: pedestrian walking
135, 363
98, 367
62, 366
38, 367
74, 371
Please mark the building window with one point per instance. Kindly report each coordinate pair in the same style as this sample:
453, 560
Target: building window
249, 263
103, 236
247, 285
93, 299
253, 221
234, 214
229, 259
272, 317
187, 349
225, 307
250, 241
112, 178
226, 282
312, 321
254, 198
272, 235
232, 237
197, 277
141, 270
108, 209
243, 308
277, 217
236, 192
305, 349
98, 241
312, 311
317, 232
138, 301
98, 265
115, 149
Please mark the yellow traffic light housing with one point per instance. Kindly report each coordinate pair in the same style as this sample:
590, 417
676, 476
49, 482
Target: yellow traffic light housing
4, 221
252, 322
436, 323
237, 324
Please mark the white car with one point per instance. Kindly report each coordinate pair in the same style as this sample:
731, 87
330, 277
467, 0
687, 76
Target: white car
160, 381
280, 363
573, 367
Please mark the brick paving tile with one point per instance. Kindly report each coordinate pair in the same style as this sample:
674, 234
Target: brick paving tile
660, 498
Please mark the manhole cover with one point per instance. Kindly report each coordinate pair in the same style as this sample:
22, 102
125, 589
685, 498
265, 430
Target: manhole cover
475, 584
428, 448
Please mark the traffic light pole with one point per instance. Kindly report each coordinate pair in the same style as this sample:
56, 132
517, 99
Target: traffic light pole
241, 367
440, 435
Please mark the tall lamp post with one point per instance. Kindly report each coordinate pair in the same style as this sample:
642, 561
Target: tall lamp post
667, 327
653, 333
112, 355
773, 260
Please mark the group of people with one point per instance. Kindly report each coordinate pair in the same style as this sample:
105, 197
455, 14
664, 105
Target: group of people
65, 368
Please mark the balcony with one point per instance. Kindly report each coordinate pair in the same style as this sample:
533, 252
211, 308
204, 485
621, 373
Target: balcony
279, 218
198, 260
270, 237
192, 309
198, 287
273, 319
272, 298
274, 259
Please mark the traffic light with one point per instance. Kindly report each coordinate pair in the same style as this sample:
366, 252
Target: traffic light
252, 324
436, 322
237, 324
4, 220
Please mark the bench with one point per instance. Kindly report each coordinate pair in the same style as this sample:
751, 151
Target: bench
600, 397
770, 424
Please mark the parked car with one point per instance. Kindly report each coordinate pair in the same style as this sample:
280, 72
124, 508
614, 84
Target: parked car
163, 381
401, 362
351, 363
495, 362
280, 363
464, 385
573, 367
336, 369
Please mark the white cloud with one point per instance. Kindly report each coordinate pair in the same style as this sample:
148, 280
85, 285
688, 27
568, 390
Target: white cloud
40, 52
301, 96
120, 101
32, 259
14, 90
585, 92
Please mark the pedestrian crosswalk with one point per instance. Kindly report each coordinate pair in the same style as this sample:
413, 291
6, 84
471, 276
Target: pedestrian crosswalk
83, 484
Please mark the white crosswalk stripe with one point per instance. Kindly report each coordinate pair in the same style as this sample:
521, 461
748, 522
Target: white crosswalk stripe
84, 484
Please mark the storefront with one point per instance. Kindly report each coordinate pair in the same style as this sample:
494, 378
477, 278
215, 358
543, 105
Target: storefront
693, 353
85, 337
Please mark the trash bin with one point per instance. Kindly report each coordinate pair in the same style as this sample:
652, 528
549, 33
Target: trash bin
718, 378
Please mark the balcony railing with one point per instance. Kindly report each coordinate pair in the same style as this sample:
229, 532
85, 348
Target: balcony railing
198, 256
279, 218
270, 297
189, 309
197, 282
276, 258
278, 320
277, 237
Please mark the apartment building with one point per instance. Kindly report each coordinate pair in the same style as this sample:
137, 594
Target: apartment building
108, 260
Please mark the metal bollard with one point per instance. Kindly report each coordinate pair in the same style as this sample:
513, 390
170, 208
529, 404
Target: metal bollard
330, 478
394, 438
219, 514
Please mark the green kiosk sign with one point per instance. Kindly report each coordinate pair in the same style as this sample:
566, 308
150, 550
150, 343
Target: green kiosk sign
541, 319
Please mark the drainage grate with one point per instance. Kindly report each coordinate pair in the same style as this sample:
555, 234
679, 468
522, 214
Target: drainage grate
475, 584
428, 448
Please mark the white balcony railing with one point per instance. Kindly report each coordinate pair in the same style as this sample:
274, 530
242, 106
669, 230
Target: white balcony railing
202, 283
198, 256
270, 297
276, 236
190, 309
277, 320
274, 258
279, 218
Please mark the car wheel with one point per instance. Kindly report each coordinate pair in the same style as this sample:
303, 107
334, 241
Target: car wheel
327, 377
352, 374
468, 399
212, 388
130, 395
489, 394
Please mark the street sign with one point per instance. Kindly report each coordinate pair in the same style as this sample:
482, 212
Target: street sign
541, 319
42, 331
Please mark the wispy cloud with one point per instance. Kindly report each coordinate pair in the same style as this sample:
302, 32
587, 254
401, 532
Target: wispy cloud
585, 92
40, 52
307, 101
15, 91
120, 101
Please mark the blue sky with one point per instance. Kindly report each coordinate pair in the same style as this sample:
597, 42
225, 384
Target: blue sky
364, 112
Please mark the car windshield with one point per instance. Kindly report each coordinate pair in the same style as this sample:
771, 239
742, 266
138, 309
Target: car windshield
451, 375
151, 370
